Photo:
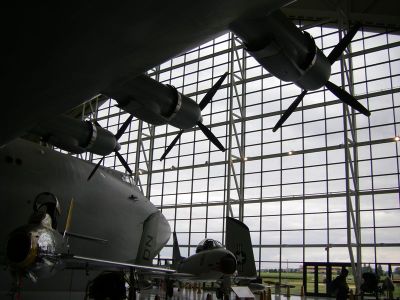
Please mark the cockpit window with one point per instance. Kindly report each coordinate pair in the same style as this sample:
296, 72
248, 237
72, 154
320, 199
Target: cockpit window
218, 244
46, 203
208, 244
128, 179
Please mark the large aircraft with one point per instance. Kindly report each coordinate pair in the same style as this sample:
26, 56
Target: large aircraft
57, 56
108, 225
212, 262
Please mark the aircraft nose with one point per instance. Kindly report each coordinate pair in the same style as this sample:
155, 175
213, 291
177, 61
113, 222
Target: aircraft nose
228, 264
20, 250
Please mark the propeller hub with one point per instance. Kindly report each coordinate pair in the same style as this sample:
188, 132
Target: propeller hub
187, 115
117, 147
190, 114
316, 74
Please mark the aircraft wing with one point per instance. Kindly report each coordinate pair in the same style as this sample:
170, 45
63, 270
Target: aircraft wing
59, 56
77, 261
83, 262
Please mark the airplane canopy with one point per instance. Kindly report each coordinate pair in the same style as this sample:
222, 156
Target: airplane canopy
208, 244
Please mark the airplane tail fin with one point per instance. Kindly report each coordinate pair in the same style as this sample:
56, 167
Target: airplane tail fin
176, 253
238, 241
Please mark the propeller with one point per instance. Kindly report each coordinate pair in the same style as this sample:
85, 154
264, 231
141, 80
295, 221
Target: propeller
207, 132
337, 91
120, 132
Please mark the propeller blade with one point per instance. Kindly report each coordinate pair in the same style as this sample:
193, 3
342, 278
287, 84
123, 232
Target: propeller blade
203, 103
290, 110
123, 162
211, 92
123, 127
172, 144
95, 168
339, 48
211, 136
347, 98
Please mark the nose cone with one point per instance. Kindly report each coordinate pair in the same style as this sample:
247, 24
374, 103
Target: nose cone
117, 147
187, 115
316, 74
228, 264
28, 248
19, 249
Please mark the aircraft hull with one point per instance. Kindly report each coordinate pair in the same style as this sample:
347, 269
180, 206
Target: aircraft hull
104, 207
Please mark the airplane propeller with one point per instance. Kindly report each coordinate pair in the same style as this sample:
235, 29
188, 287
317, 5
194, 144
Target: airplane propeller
337, 91
120, 132
207, 132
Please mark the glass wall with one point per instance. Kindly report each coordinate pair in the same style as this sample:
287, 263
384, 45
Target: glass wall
294, 188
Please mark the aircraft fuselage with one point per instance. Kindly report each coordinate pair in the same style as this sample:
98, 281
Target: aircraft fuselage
106, 207
209, 264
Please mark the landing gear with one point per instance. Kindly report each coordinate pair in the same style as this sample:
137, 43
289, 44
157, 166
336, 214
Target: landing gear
132, 294
133, 279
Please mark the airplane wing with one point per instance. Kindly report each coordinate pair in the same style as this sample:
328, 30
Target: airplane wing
59, 56
84, 262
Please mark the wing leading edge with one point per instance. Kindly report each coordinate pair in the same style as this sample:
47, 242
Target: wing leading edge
77, 261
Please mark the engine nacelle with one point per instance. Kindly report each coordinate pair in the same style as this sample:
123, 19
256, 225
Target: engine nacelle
77, 136
33, 250
156, 103
284, 51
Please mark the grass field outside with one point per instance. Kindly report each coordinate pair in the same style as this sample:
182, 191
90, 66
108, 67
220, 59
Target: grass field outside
295, 279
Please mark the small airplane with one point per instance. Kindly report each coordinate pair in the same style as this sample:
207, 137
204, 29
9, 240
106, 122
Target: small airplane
214, 263
109, 225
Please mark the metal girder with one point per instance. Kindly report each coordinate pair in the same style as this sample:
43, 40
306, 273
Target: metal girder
234, 94
140, 150
351, 163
